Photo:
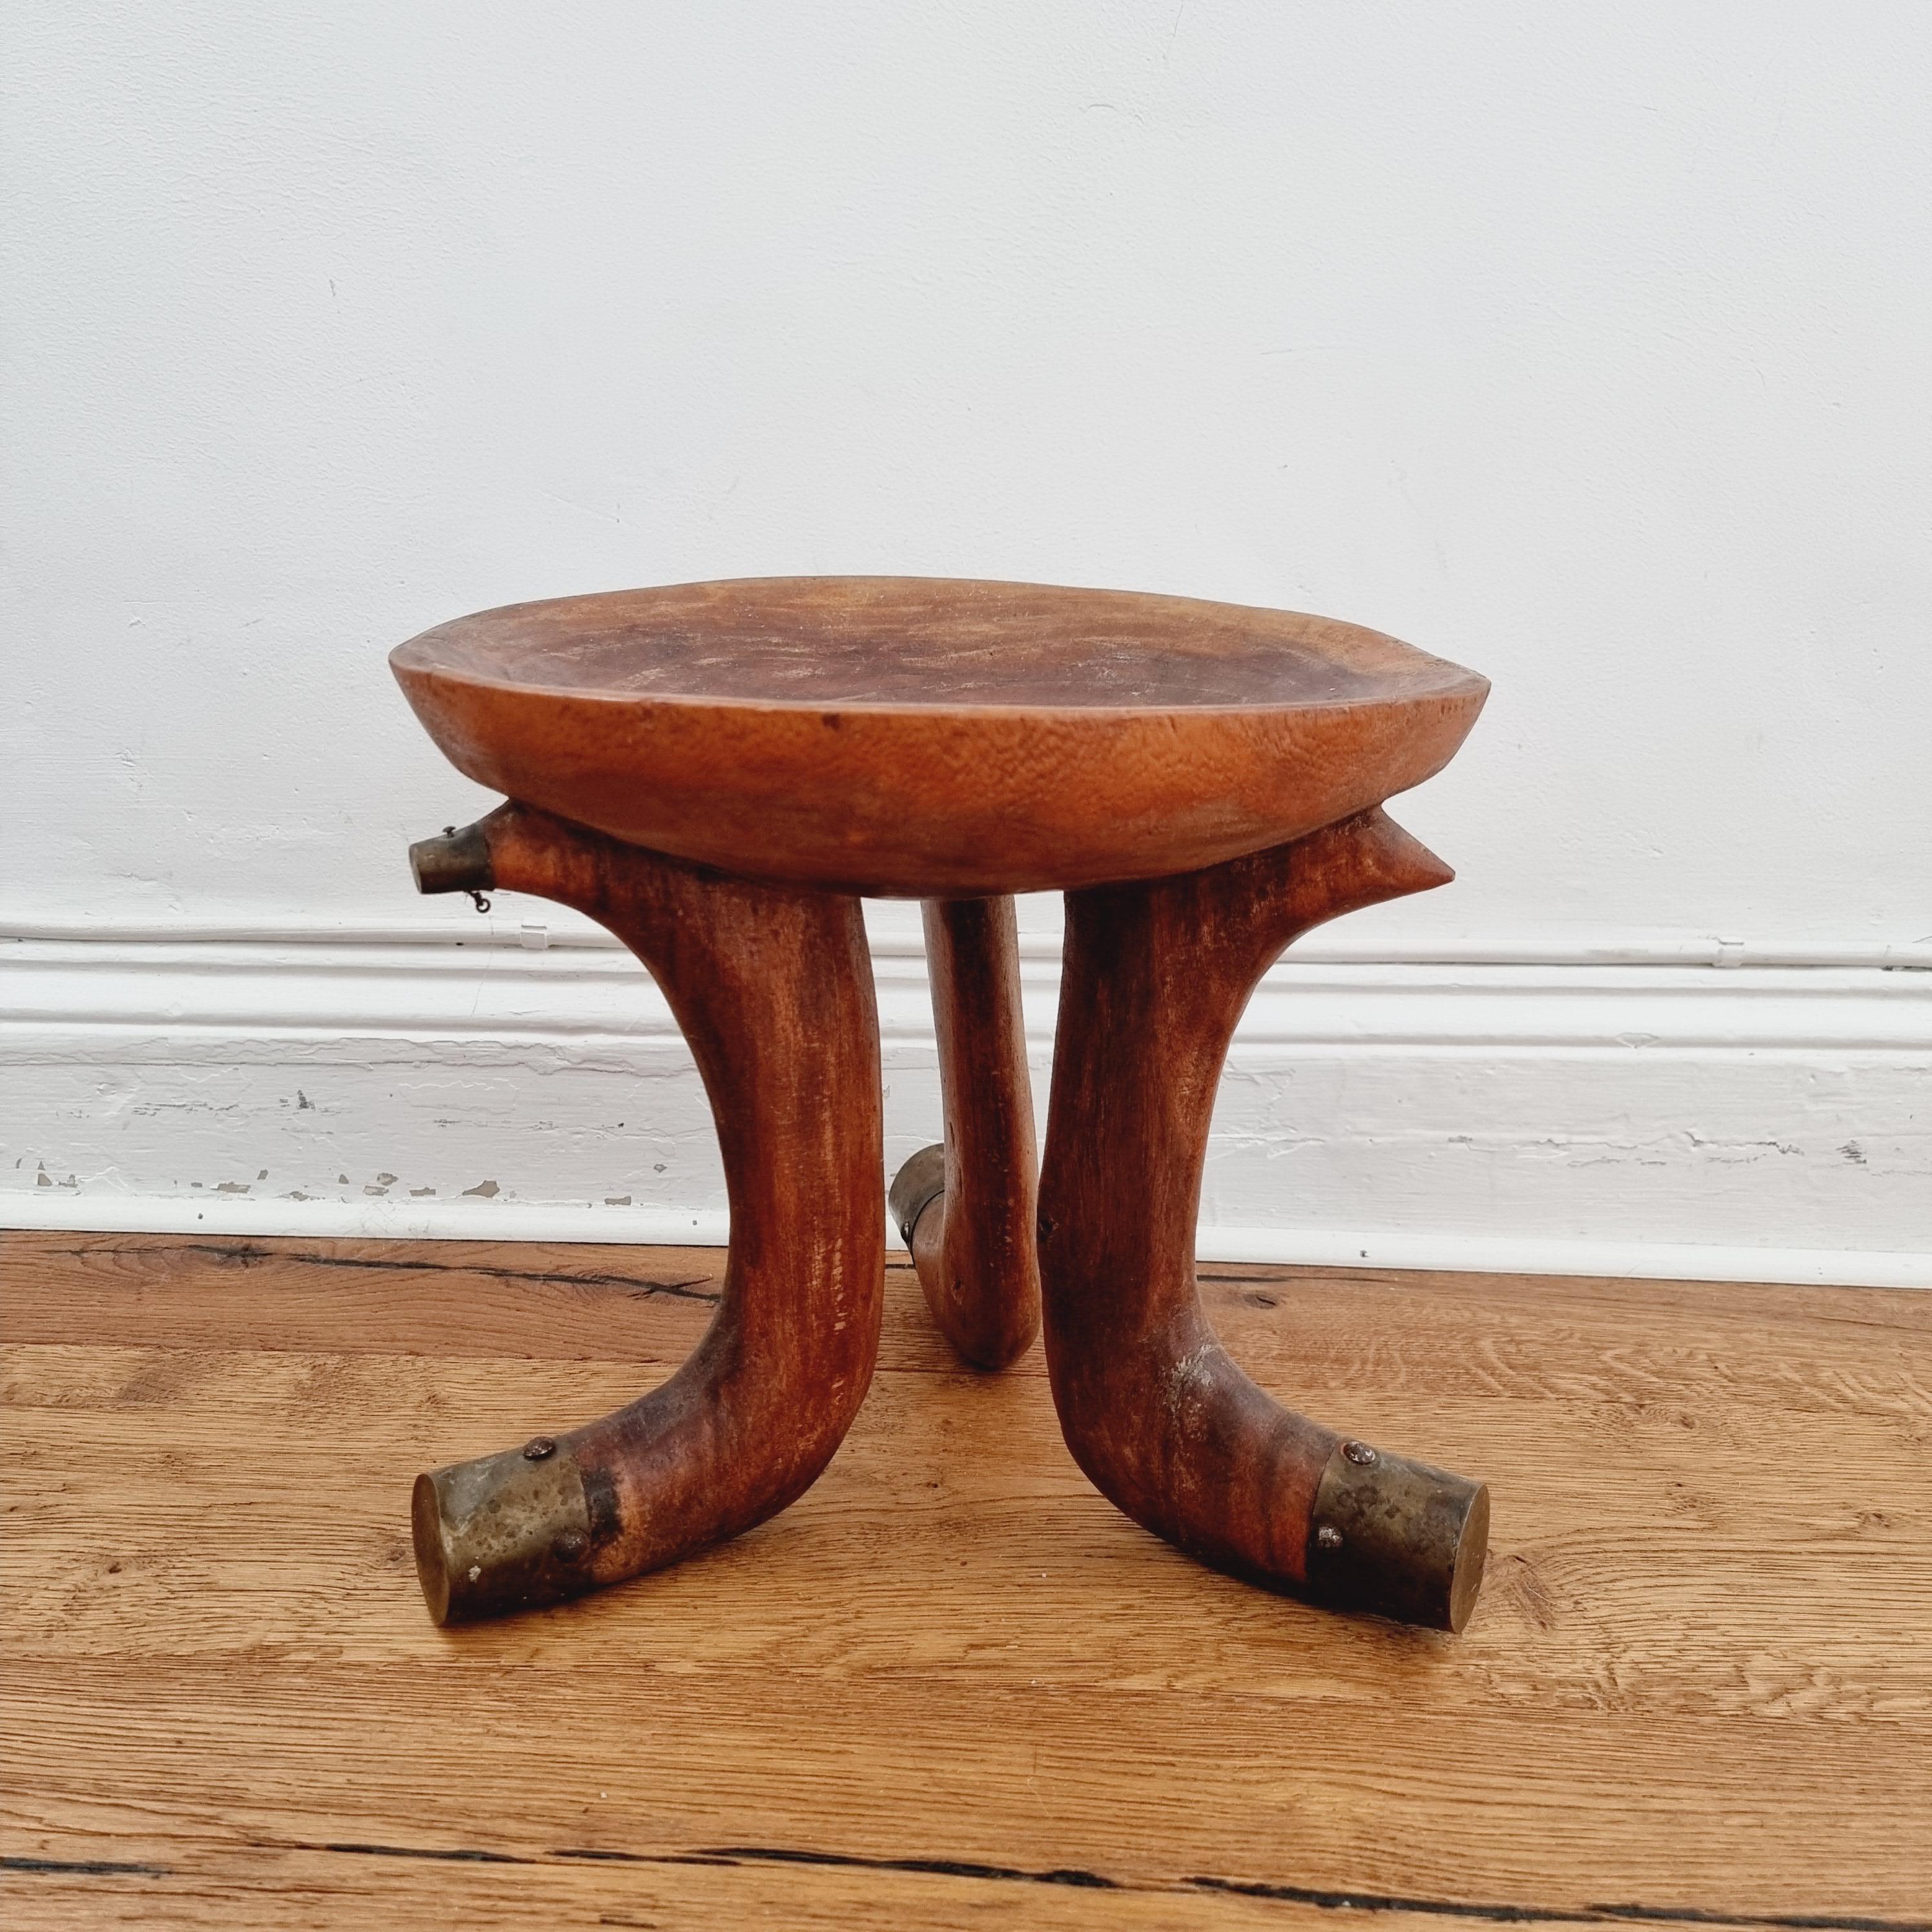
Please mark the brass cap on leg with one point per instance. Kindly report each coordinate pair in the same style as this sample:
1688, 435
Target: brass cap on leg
917, 1186
1398, 1537
458, 862
503, 1533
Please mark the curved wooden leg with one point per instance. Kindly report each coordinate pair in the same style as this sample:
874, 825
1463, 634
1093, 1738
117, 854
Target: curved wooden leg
1156, 976
773, 989
967, 1208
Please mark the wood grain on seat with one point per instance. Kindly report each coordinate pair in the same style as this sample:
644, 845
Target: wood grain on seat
917, 736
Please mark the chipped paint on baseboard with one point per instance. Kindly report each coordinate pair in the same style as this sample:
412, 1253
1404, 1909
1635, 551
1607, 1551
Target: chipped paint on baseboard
1567, 1117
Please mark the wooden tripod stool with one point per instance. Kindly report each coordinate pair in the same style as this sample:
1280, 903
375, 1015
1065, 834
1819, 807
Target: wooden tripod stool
718, 773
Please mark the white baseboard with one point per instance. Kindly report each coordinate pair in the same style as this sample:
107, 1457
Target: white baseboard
1683, 1120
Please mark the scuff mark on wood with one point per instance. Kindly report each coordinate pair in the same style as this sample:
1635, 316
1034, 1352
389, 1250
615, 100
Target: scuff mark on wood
87, 1868
247, 1254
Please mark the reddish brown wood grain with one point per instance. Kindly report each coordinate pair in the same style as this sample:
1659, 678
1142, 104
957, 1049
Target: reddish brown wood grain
957, 741
773, 989
918, 737
974, 1244
1155, 976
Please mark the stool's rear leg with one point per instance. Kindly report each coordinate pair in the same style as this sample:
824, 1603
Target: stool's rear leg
773, 989
1156, 976
967, 1208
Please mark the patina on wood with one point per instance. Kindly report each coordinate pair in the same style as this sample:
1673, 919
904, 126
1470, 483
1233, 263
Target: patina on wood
1203, 780
1154, 978
773, 989
966, 1207
919, 737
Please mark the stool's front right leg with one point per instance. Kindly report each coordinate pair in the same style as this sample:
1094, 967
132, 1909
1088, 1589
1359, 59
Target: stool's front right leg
1156, 976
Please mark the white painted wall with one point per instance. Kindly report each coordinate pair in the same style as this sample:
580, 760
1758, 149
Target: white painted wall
1589, 345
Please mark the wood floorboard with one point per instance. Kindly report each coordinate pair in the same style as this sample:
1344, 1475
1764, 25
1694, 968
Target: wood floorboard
952, 1687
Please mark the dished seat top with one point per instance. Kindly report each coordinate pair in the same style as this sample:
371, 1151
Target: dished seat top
894, 641
927, 736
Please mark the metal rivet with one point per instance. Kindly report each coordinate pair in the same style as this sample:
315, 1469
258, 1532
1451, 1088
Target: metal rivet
570, 1546
538, 1447
1328, 1537
1358, 1452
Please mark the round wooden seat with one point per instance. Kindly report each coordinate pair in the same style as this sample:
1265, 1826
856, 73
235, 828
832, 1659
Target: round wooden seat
919, 737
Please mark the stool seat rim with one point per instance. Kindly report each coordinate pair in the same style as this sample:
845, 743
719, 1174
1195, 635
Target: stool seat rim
882, 644
930, 736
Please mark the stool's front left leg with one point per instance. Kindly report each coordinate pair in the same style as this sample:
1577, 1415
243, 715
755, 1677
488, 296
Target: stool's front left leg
773, 989
1155, 977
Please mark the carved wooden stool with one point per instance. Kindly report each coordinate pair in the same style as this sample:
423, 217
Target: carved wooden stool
718, 773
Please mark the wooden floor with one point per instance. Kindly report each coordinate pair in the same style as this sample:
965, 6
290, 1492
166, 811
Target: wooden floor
952, 1687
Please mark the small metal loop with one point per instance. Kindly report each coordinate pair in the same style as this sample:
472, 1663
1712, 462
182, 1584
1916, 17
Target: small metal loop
482, 904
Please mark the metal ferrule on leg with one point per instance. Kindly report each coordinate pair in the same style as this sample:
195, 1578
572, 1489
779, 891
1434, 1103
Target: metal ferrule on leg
1155, 977
502, 1533
773, 989
920, 1183
1397, 1537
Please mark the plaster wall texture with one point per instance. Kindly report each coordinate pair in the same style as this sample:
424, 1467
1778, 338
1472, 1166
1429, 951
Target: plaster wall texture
1586, 345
